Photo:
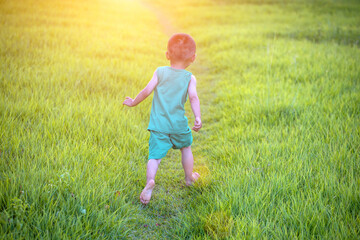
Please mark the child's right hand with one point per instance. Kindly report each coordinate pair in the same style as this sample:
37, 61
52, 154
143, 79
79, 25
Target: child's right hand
197, 124
129, 102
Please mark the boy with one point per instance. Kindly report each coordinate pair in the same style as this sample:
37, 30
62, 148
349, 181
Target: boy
168, 125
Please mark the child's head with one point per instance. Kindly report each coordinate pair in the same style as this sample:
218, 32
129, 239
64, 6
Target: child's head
181, 48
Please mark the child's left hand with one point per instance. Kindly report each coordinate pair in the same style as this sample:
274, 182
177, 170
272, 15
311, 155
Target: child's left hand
129, 102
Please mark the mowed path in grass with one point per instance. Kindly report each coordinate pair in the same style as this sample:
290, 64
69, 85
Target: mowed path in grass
171, 197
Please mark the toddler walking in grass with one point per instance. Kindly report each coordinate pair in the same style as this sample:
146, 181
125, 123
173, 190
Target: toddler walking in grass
168, 124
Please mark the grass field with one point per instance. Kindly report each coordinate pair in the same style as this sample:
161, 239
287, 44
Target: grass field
279, 86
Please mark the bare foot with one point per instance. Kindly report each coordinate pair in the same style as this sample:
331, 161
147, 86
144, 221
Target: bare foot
146, 193
195, 177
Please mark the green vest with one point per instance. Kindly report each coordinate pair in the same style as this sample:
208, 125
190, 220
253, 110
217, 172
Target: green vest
170, 94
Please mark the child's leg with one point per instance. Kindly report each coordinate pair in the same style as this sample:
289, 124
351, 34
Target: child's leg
152, 167
187, 161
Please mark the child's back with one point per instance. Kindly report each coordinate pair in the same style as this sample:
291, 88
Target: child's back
170, 94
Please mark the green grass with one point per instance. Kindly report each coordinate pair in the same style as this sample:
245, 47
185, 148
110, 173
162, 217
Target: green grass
279, 150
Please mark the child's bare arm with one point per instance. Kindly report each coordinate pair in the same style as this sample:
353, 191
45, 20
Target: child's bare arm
195, 103
143, 93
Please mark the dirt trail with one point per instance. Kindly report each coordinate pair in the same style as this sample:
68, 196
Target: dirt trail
170, 196
164, 19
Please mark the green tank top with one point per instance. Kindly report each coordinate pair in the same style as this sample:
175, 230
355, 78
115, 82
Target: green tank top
167, 110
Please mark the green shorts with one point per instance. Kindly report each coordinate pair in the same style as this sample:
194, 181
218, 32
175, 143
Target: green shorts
160, 143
